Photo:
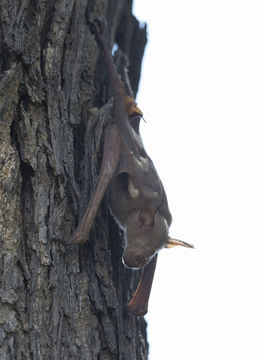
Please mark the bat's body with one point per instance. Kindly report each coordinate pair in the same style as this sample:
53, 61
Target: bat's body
135, 193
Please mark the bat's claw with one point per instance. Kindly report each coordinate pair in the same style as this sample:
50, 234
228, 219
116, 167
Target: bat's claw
98, 26
125, 61
78, 238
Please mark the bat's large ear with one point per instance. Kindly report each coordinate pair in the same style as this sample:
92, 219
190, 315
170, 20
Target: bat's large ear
146, 218
174, 242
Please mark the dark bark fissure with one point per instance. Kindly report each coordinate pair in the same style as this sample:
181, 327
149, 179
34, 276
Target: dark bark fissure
60, 302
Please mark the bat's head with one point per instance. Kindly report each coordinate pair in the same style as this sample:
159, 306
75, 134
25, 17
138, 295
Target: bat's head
146, 234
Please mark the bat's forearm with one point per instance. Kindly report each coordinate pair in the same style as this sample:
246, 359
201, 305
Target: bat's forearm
81, 234
139, 303
110, 162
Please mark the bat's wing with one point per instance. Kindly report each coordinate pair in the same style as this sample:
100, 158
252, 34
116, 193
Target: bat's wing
139, 302
110, 162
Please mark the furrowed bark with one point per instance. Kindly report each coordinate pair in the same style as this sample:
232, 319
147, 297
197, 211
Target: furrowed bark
59, 302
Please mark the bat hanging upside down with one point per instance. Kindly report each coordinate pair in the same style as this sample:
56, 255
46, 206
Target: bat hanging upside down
135, 193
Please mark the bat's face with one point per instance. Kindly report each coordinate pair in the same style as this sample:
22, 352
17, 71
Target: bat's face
146, 234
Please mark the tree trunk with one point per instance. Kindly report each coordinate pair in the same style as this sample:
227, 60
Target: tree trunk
56, 301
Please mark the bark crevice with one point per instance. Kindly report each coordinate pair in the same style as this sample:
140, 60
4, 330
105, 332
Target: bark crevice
60, 302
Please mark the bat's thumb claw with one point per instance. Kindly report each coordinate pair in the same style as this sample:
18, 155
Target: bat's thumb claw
78, 238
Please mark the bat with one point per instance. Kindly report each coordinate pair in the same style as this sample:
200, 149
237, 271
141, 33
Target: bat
134, 190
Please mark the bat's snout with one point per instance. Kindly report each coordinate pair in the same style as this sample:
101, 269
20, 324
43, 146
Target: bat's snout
135, 261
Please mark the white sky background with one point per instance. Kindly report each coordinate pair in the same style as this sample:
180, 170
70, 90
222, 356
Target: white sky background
198, 93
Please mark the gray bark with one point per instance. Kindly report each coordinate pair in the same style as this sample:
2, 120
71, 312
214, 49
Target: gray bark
59, 302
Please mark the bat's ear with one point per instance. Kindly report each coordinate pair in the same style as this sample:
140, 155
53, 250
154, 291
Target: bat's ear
174, 242
146, 218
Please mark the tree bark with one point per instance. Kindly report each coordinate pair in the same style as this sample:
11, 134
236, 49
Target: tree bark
56, 301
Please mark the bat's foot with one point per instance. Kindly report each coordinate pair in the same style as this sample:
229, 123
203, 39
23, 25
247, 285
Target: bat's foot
98, 26
125, 61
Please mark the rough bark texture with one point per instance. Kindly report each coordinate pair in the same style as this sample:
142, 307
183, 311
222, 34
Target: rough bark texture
60, 302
